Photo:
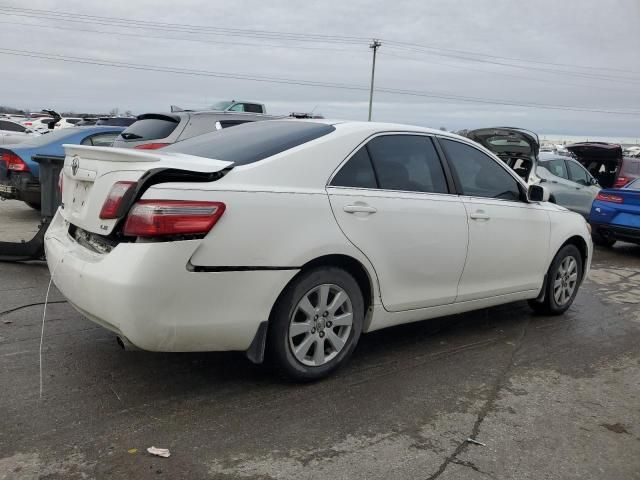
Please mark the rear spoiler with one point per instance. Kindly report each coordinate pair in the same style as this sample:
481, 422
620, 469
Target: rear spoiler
110, 154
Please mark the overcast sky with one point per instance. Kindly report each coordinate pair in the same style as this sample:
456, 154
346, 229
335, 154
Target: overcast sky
578, 33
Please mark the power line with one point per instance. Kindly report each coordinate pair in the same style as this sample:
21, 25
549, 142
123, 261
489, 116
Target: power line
498, 74
307, 37
309, 83
164, 37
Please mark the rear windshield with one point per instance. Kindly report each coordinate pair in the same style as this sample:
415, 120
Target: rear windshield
150, 129
251, 142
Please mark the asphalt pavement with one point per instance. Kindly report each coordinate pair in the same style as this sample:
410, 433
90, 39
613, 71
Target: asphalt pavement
545, 397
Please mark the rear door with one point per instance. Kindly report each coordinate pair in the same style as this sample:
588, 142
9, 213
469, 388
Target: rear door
392, 201
584, 190
562, 189
508, 237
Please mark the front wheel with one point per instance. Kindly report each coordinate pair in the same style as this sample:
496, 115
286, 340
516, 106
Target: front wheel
563, 280
316, 323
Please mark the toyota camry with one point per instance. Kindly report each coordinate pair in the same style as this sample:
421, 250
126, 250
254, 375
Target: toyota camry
288, 239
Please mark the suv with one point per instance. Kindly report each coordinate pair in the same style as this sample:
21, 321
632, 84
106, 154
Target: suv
157, 130
606, 162
239, 106
568, 182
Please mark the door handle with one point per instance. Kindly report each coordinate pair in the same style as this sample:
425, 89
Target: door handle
359, 209
479, 216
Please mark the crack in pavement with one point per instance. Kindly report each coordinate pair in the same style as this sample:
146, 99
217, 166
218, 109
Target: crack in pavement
486, 408
472, 466
15, 309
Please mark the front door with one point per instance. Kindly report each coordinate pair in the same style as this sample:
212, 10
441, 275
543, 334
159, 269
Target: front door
392, 201
508, 237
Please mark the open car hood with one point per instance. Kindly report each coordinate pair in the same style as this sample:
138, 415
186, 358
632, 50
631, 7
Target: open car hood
603, 151
507, 141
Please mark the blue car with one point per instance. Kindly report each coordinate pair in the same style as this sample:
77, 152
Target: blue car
615, 215
19, 173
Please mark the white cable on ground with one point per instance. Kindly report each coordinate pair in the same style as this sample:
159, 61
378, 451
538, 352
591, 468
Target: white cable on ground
44, 314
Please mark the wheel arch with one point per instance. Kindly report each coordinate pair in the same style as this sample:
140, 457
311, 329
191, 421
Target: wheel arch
364, 278
581, 245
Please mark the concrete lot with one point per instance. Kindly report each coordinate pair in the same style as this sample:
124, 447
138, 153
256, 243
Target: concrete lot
549, 397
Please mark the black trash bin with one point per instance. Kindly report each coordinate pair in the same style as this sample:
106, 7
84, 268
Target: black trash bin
50, 167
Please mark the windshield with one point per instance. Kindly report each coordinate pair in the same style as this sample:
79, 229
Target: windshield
221, 105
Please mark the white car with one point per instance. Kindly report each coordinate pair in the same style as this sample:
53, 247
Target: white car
40, 124
12, 132
66, 122
295, 236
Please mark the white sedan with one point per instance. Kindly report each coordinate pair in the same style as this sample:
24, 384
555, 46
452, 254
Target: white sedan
290, 238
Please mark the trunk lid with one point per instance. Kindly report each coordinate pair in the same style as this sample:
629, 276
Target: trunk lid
90, 172
517, 147
602, 160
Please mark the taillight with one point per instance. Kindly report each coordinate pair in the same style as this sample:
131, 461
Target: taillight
151, 146
113, 201
153, 218
14, 162
621, 182
609, 197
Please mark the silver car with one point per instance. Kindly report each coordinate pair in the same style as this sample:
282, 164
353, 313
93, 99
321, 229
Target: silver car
157, 130
568, 182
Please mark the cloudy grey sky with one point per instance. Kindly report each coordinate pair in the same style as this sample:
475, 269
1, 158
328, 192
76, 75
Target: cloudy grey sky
575, 53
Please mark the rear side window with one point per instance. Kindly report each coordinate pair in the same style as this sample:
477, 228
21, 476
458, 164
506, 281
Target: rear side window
100, 139
578, 174
231, 123
357, 172
73, 121
407, 163
252, 141
479, 175
253, 108
151, 128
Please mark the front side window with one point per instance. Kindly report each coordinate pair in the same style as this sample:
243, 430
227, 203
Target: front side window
578, 174
556, 167
238, 107
407, 163
479, 175
357, 172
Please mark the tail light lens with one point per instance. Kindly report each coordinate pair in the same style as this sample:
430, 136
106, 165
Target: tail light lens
154, 218
14, 162
609, 197
151, 146
113, 201
621, 182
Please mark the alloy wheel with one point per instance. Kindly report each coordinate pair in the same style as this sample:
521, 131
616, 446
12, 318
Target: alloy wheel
565, 280
320, 325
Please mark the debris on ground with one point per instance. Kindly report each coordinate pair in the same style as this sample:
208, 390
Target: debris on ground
160, 452
471, 440
132, 450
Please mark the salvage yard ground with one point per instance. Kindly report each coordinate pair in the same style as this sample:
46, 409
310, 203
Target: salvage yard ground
548, 397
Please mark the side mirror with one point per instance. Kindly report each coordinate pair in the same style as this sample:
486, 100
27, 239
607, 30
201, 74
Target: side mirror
538, 193
594, 182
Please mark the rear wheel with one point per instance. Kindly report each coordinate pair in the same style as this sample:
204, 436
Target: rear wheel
316, 323
35, 206
563, 280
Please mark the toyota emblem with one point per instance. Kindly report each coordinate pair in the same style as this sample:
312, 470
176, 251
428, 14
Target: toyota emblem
75, 164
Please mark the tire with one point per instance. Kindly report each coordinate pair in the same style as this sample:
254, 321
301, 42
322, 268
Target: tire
552, 199
601, 240
568, 258
35, 206
294, 349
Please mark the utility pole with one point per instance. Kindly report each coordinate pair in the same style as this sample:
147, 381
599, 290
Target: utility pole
375, 45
